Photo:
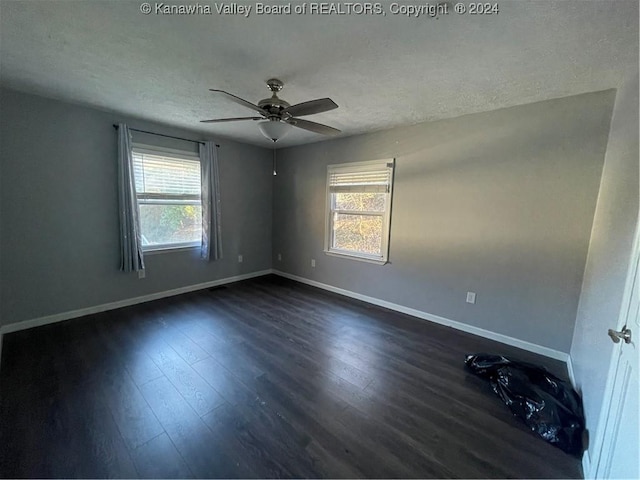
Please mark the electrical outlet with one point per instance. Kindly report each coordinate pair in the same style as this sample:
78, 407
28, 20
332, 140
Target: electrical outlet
141, 273
239, 258
279, 257
313, 263
471, 297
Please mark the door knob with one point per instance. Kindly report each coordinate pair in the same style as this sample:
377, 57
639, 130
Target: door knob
624, 334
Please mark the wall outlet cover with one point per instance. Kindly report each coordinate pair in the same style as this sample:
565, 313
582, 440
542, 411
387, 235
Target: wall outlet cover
471, 297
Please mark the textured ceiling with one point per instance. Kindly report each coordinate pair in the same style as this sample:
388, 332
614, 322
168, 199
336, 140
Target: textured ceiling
383, 70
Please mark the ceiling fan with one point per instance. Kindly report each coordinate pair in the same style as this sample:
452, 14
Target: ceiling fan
278, 116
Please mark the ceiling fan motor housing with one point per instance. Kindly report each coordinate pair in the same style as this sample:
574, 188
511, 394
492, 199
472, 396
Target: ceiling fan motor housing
274, 105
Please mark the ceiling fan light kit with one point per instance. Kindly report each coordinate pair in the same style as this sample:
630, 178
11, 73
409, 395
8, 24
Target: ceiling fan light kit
274, 129
279, 116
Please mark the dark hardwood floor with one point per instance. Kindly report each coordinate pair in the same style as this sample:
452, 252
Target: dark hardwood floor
263, 378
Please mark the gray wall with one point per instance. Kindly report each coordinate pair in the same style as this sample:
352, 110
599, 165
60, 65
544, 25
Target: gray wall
499, 203
59, 231
615, 219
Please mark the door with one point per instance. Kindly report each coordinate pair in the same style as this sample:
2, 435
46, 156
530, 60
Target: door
617, 453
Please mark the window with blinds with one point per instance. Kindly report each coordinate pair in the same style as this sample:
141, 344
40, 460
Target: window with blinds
359, 209
168, 191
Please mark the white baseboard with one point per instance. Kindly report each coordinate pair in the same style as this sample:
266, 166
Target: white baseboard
515, 342
532, 347
59, 317
586, 465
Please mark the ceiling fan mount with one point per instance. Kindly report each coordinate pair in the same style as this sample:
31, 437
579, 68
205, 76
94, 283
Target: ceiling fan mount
275, 85
279, 115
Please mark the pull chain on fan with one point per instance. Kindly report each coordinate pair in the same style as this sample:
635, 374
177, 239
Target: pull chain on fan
275, 164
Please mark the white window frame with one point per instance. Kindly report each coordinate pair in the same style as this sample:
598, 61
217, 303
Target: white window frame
172, 153
357, 167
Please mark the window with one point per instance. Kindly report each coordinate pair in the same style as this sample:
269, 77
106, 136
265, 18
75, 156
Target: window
168, 191
359, 209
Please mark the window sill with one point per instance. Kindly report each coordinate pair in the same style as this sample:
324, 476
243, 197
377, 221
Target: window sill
355, 256
168, 249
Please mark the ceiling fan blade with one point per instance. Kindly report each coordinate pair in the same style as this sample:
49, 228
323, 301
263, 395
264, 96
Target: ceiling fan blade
241, 101
313, 126
312, 106
220, 120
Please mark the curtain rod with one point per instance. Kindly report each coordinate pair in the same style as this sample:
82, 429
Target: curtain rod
163, 135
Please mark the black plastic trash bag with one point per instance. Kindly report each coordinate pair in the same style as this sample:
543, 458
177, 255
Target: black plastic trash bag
548, 405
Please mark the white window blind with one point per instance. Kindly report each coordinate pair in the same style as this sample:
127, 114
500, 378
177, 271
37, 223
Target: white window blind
163, 176
377, 181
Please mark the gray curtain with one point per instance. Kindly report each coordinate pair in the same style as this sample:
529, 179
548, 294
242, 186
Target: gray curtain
131, 259
211, 229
